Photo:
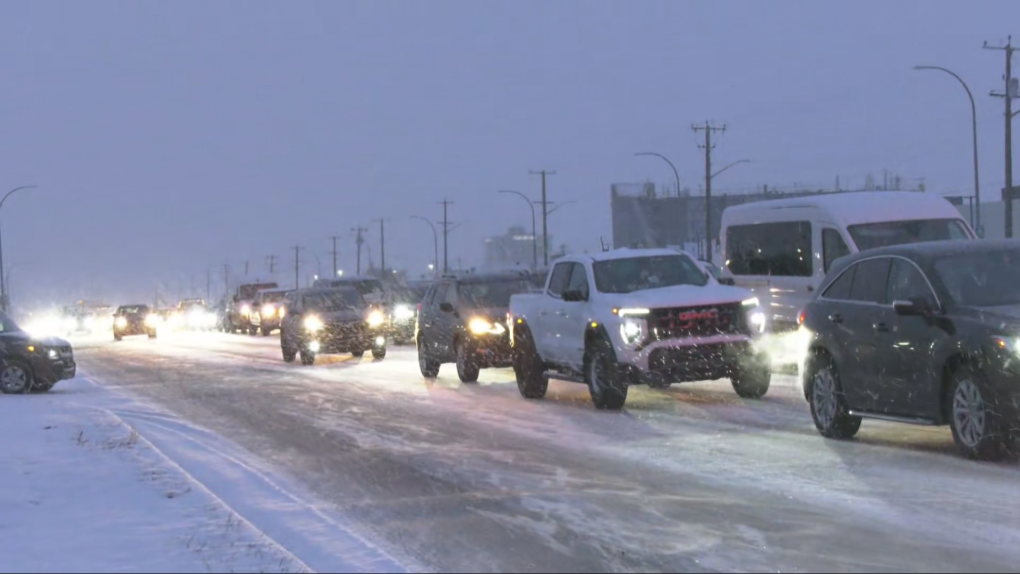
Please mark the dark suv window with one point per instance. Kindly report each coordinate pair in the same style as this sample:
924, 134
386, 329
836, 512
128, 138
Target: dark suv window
870, 280
840, 288
772, 249
906, 282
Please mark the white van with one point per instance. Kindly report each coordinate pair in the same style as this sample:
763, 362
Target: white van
782, 248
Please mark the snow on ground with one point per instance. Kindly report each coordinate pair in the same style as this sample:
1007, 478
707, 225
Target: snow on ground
96, 482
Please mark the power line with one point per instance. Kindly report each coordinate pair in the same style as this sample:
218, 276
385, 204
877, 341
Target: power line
1008, 95
708, 146
545, 216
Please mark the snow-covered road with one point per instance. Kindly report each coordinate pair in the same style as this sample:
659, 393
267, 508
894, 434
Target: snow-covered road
454, 477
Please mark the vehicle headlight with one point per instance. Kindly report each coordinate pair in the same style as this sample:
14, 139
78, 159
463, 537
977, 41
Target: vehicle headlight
121, 322
1008, 343
268, 311
53, 354
246, 310
375, 318
632, 330
403, 312
152, 320
480, 326
313, 324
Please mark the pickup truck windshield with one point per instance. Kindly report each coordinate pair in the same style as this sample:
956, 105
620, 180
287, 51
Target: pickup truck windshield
875, 235
329, 301
491, 294
639, 273
248, 292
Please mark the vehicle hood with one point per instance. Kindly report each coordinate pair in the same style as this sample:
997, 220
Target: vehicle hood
345, 316
23, 337
1005, 317
679, 296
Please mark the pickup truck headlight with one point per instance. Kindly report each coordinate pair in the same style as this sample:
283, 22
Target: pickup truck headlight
53, 354
755, 315
121, 322
246, 310
268, 311
632, 330
313, 324
375, 318
480, 326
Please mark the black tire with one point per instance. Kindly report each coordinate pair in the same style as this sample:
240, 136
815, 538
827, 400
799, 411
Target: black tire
379, 353
118, 337
357, 354
978, 430
15, 378
606, 384
307, 357
467, 368
428, 366
152, 334
752, 382
266, 332
528, 367
828, 404
289, 353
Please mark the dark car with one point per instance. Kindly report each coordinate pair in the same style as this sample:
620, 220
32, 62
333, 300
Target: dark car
28, 364
318, 321
265, 310
924, 333
462, 320
404, 300
132, 320
237, 315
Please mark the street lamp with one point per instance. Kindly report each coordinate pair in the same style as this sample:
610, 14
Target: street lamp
435, 239
339, 272
739, 161
3, 286
534, 229
665, 159
973, 120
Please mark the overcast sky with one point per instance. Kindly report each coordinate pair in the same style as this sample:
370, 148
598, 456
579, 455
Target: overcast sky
171, 137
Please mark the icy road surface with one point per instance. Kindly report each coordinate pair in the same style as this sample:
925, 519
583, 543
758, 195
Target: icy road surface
474, 478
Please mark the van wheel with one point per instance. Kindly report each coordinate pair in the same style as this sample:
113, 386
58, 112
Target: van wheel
528, 367
607, 387
828, 407
977, 429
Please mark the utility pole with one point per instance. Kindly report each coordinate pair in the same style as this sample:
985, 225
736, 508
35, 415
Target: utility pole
446, 232
545, 216
335, 268
709, 129
208, 286
226, 280
359, 241
1008, 94
297, 266
382, 244
271, 259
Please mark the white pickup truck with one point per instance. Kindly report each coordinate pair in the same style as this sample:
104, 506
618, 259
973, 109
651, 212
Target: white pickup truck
635, 316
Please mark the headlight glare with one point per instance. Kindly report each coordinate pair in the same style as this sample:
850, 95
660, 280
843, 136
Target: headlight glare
375, 318
632, 330
403, 312
313, 323
481, 326
121, 322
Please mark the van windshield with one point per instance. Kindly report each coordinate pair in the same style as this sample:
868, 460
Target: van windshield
875, 235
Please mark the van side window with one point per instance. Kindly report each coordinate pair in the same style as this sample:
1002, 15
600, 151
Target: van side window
773, 249
833, 247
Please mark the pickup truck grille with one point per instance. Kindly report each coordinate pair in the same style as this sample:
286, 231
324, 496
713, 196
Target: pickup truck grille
702, 321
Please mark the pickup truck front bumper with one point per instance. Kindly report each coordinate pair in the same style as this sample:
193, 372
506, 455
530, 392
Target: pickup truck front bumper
690, 359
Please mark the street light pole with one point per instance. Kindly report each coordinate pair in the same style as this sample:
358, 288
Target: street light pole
973, 121
534, 227
665, 159
435, 243
739, 161
3, 284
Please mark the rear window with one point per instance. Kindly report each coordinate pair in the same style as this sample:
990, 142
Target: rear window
773, 249
491, 294
250, 291
875, 235
133, 310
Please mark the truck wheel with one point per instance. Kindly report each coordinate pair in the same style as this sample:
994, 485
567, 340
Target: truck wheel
467, 367
828, 407
15, 378
357, 354
289, 353
152, 334
977, 428
429, 367
528, 367
118, 337
605, 383
307, 357
378, 353
752, 382
266, 331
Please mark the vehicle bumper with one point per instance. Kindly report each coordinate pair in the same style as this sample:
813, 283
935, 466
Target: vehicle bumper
492, 351
51, 371
270, 324
346, 339
692, 359
402, 330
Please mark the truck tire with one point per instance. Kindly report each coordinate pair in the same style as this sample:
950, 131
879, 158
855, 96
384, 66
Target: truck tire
467, 367
752, 382
528, 367
606, 384
307, 357
429, 367
266, 332
378, 353
357, 354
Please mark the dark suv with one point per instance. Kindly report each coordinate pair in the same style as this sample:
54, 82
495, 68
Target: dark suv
31, 365
925, 334
462, 320
135, 320
330, 321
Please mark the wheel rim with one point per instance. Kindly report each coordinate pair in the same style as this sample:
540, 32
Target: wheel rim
824, 396
14, 379
969, 413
